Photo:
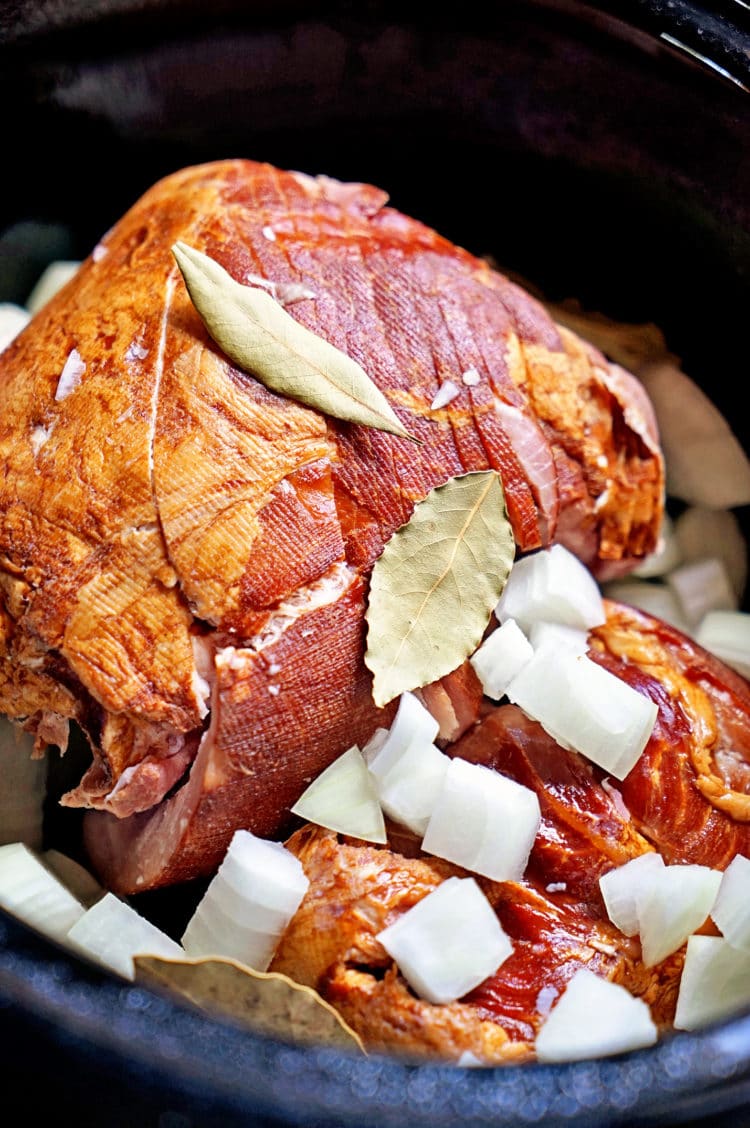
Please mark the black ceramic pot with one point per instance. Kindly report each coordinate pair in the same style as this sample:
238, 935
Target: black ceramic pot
601, 151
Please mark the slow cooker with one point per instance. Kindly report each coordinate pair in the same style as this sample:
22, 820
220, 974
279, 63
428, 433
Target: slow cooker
601, 152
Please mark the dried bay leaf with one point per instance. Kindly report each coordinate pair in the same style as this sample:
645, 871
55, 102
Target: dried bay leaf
259, 336
436, 583
263, 1001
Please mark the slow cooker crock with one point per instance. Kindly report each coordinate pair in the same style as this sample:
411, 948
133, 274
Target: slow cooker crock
602, 152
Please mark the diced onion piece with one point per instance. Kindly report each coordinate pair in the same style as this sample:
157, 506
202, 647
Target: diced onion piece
344, 798
412, 723
620, 886
449, 942
74, 877
705, 462
561, 637
715, 982
594, 1018
111, 932
500, 657
702, 586
24, 785
583, 706
31, 892
483, 821
409, 790
13, 318
551, 584
248, 903
666, 556
671, 906
653, 597
731, 911
698, 528
52, 279
727, 635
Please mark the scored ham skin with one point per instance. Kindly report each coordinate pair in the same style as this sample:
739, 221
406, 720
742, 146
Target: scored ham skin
170, 503
686, 798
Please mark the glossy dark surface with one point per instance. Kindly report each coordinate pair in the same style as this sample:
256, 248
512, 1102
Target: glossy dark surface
584, 151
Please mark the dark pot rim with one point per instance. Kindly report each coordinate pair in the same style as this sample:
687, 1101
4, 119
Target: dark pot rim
209, 1068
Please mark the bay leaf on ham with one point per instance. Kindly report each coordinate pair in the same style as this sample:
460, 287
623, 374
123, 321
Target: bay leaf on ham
258, 335
266, 1002
436, 583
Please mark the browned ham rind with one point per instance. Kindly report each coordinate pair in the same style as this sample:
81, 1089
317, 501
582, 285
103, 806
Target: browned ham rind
158, 500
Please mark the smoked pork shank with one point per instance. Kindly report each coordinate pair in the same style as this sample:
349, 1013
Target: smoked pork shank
184, 554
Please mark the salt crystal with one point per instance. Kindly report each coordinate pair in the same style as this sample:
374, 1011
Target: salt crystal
136, 352
447, 392
471, 377
269, 233
99, 252
273, 690
70, 377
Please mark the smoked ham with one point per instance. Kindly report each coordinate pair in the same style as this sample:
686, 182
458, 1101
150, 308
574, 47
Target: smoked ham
184, 554
686, 798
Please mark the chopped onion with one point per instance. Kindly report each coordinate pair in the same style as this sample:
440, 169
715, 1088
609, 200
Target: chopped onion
483, 821
412, 723
572, 639
731, 911
449, 942
31, 892
13, 318
70, 377
653, 597
702, 586
666, 556
249, 902
552, 584
408, 791
52, 279
500, 657
620, 886
111, 932
23, 788
715, 982
583, 706
344, 798
727, 635
594, 1018
74, 877
671, 905
699, 529
705, 462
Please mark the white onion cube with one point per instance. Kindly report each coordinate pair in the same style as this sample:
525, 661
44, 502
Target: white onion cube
412, 723
559, 635
13, 318
344, 798
671, 906
483, 821
249, 902
702, 586
551, 584
715, 982
594, 1018
727, 635
620, 888
53, 278
409, 790
731, 910
448, 943
31, 892
584, 706
500, 657
111, 932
